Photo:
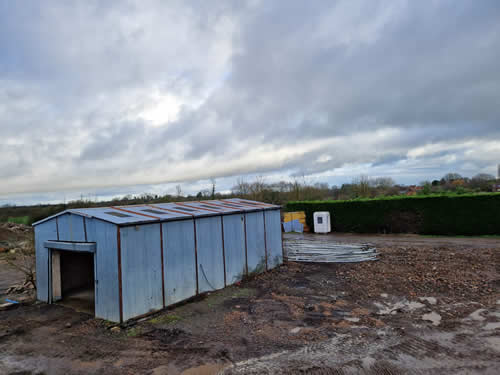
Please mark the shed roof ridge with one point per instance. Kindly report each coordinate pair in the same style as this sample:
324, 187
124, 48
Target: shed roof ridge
173, 211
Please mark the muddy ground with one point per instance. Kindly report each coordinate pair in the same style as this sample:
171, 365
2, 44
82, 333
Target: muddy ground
429, 305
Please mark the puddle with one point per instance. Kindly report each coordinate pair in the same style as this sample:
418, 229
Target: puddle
493, 343
207, 369
433, 317
367, 362
431, 300
414, 305
491, 326
476, 315
387, 308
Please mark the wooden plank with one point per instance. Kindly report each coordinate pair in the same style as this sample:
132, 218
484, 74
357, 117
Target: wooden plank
56, 276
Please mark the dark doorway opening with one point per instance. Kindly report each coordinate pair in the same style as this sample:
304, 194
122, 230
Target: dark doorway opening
73, 280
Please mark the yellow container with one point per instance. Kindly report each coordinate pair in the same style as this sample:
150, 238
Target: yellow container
300, 216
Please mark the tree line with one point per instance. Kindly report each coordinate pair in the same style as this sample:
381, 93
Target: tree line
280, 193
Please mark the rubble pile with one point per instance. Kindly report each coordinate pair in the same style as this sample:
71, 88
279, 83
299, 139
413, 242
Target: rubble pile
15, 228
24, 288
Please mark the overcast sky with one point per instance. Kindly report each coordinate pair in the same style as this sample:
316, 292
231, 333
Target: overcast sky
115, 97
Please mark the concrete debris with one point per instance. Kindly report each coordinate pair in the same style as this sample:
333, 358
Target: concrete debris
431, 300
432, 317
477, 315
399, 306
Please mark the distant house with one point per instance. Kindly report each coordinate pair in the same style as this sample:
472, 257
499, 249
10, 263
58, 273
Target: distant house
413, 190
496, 187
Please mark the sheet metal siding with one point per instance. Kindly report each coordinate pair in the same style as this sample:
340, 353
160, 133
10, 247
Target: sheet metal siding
179, 261
234, 245
71, 228
256, 247
210, 259
107, 299
43, 232
273, 238
141, 269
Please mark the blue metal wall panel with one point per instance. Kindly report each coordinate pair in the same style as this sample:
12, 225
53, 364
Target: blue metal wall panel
179, 261
43, 232
256, 247
234, 247
273, 238
141, 269
210, 259
71, 228
107, 297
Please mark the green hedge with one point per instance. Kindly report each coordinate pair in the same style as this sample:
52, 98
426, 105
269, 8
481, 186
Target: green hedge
471, 214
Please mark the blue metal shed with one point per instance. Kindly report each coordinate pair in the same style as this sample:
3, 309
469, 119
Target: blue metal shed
126, 261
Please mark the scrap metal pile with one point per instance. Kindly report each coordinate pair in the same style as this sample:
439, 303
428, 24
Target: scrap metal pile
314, 249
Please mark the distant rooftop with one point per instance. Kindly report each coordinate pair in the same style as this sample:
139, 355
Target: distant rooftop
150, 213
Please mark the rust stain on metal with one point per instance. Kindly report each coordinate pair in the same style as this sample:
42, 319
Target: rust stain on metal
171, 210
162, 266
265, 235
85, 229
282, 246
120, 296
223, 250
196, 255
246, 249
133, 212
222, 204
199, 208
255, 204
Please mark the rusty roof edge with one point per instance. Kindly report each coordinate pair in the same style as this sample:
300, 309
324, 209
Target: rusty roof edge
76, 211
67, 211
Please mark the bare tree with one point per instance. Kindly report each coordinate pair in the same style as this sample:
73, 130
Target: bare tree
213, 181
24, 261
361, 186
178, 191
450, 177
241, 188
382, 182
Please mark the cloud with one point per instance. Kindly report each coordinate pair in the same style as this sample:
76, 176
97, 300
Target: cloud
99, 95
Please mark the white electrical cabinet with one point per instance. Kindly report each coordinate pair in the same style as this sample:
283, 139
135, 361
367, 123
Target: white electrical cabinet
322, 222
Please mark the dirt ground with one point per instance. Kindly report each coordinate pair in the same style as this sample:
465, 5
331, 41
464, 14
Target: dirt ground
428, 305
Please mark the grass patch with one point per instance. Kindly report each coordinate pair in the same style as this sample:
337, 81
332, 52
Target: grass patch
220, 296
165, 319
134, 331
19, 220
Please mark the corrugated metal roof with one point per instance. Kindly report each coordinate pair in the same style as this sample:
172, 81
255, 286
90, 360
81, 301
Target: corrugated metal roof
150, 213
